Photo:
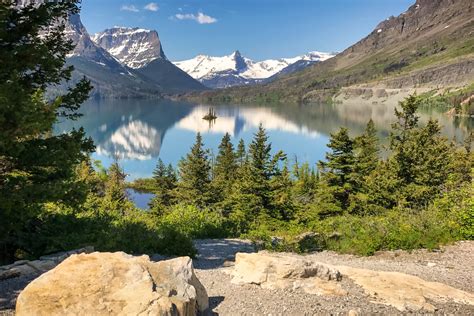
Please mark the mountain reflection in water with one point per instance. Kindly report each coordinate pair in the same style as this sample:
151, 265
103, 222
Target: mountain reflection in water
139, 131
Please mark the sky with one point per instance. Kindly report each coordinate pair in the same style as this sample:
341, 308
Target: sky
259, 29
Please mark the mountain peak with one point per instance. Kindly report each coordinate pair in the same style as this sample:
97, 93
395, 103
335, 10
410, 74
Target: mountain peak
234, 69
135, 47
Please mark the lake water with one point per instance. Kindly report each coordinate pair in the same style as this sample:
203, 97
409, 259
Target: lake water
138, 132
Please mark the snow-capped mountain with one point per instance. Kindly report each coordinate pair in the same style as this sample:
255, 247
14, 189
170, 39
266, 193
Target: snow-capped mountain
141, 51
234, 69
134, 47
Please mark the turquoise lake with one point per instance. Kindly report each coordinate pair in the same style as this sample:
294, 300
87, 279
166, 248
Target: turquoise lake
138, 132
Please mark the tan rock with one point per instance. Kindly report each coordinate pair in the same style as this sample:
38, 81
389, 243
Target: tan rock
405, 292
281, 271
115, 284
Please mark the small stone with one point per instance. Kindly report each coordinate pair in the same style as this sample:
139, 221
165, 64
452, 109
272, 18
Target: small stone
431, 264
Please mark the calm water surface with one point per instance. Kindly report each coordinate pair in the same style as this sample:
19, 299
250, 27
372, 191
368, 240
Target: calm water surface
138, 132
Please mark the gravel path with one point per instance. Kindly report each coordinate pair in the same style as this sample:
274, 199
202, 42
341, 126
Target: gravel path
452, 265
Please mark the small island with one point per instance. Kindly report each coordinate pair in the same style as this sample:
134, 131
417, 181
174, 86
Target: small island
210, 116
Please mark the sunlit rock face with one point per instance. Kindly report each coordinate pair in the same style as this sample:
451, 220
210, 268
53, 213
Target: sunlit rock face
133, 140
239, 120
134, 47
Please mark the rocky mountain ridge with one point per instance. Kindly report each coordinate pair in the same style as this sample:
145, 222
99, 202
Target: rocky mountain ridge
236, 70
429, 36
134, 47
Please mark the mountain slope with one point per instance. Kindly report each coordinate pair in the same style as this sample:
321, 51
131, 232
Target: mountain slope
431, 44
235, 70
141, 50
169, 77
108, 76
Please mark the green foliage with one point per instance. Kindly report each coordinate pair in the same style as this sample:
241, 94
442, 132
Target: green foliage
164, 183
194, 173
336, 174
35, 166
195, 223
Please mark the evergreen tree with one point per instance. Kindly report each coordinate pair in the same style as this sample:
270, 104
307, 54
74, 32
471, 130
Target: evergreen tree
241, 154
336, 174
115, 193
305, 184
401, 137
35, 165
366, 156
194, 174
225, 168
251, 193
165, 183
420, 156
282, 199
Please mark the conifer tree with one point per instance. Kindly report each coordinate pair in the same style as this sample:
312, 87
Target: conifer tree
225, 169
282, 199
115, 193
241, 154
336, 173
366, 156
36, 166
194, 174
165, 183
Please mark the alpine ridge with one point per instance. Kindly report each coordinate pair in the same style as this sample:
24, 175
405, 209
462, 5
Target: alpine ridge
134, 47
236, 70
428, 46
141, 51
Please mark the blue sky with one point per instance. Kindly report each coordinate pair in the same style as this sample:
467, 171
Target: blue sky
259, 29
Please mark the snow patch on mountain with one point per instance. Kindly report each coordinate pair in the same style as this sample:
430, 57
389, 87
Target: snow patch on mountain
134, 47
234, 69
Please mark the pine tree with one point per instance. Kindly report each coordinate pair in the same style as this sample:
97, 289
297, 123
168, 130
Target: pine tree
225, 169
366, 156
165, 183
305, 184
282, 199
420, 157
241, 154
194, 174
336, 174
401, 137
36, 166
251, 193
115, 191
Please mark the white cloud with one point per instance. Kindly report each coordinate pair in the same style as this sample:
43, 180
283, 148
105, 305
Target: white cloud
201, 18
152, 6
130, 8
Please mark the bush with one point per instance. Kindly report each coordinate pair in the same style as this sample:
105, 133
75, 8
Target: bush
195, 223
59, 228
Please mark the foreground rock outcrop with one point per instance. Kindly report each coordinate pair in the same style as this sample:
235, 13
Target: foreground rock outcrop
283, 271
403, 291
288, 271
115, 284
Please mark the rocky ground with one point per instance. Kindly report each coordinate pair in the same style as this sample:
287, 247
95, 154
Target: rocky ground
452, 265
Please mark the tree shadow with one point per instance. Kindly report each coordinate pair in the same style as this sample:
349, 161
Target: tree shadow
212, 253
214, 301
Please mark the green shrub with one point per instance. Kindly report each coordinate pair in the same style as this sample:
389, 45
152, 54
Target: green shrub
195, 223
59, 228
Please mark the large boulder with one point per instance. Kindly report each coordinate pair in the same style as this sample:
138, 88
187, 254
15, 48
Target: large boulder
115, 284
283, 271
